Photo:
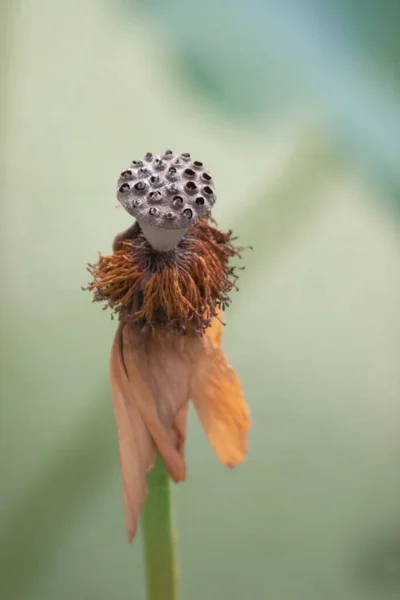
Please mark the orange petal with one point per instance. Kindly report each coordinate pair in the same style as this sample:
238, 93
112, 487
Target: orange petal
216, 329
219, 401
137, 452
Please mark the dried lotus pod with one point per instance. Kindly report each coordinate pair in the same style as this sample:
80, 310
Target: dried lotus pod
167, 194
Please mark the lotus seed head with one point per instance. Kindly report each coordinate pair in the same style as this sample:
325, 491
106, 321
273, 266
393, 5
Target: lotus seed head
182, 189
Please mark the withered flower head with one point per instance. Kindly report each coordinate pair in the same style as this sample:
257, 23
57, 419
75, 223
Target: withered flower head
180, 290
168, 281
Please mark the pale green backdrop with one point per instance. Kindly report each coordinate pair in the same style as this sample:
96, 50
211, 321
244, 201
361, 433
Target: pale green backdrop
305, 159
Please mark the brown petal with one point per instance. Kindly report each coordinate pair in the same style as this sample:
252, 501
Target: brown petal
219, 401
180, 426
128, 234
137, 452
159, 372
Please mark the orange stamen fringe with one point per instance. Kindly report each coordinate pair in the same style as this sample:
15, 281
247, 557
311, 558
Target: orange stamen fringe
182, 289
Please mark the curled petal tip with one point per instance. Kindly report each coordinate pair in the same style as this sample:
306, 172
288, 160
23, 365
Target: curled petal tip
131, 535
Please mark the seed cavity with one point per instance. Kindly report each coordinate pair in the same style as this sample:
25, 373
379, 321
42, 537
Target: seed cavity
188, 213
155, 180
189, 172
207, 190
124, 188
126, 174
177, 201
200, 201
140, 186
155, 197
159, 164
206, 177
154, 212
191, 186
172, 174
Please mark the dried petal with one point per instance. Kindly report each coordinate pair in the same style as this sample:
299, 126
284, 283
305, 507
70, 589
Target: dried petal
137, 451
160, 367
180, 426
219, 400
216, 329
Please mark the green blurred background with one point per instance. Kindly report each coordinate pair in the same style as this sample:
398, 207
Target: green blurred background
295, 107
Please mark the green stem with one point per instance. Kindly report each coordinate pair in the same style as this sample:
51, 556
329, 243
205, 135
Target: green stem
159, 543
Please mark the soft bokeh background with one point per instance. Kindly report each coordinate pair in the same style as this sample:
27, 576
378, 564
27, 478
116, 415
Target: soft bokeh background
295, 106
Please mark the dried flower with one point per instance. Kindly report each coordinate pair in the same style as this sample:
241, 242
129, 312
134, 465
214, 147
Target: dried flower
169, 283
181, 289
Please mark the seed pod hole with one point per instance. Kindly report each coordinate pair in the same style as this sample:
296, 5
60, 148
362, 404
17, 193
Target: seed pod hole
154, 212
200, 201
173, 189
191, 186
172, 175
189, 172
149, 156
197, 163
207, 190
177, 201
137, 163
188, 213
185, 155
170, 216
140, 186
155, 197
206, 177
124, 188
126, 174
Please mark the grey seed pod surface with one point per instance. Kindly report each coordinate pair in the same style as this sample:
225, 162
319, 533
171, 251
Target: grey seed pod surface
167, 191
